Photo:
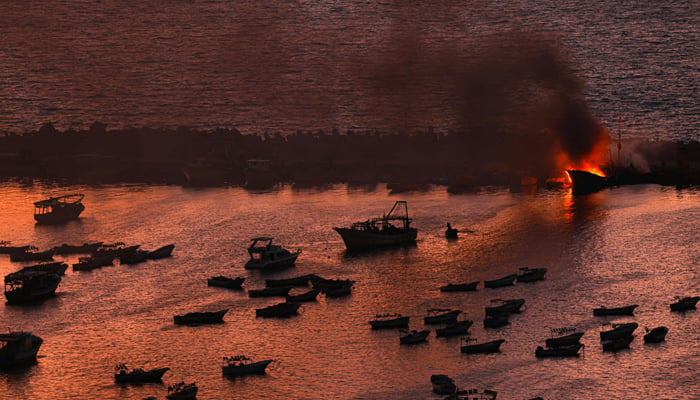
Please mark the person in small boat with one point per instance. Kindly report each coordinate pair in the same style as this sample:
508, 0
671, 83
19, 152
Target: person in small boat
451, 232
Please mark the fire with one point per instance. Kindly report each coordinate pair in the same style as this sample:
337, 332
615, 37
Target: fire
594, 162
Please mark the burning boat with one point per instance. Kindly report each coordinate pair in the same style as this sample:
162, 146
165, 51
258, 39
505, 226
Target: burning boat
56, 210
583, 182
381, 231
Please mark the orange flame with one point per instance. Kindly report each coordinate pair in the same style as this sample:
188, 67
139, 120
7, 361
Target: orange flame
594, 162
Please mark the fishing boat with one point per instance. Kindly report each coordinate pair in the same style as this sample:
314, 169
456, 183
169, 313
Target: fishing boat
482, 348
340, 290
161, 252
441, 316
30, 287
501, 282
454, 329
304, 297
136, 257
266, 256
224, 282
460, 287
618, 331
56, 210
18, 348
58, 268
116, 250
496, 321
414, 337
443, 384
565, 339
32, 256
90, 262
656, 335
685, 303
86, 248
302, 280
269, 292
122, 374
5, 248
241, 365
510, 306
617, 344
280, 310
323, 284
389, 321
570, 350
391, 229
583, 182
182, 391
200, 318
604, 311
531, 274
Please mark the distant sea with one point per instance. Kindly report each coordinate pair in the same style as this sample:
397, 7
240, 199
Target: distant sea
280, 66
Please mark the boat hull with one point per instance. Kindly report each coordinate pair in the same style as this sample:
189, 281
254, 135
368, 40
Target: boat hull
560, 351
564, 340
256, 368
456, 329
194, 319
483, 348
60, 215
444, 318
20, 352
583, 182
400, 322
35, 291
281, 310
628, 310
284, 262
505, 281
364, 240
620, 331
460, 287
151, 376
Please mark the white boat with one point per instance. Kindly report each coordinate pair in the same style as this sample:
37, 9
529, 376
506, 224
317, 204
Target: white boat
264, 255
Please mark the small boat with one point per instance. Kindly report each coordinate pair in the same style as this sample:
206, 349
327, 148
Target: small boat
32, 256
389, 321
323, 284
224, 282
619, 343
415, 336
604, 311
5, 248
482, 348
441, 316
531, 274
454, 329
570, 350
656, 335
685, 303
116, 250
619, 331
443, 384
200, 318
242, 365
56, 210
501, 282
269, 292
304, 297
510, 306
86, 248
380, 231
267, 256
302, 281
18, 348
280, 310
341, 290
91, 262
496, 321
450, 232
58, 268
122, 374
137, 257
30, 287
182, 391
161, 252
459, 287
564, 340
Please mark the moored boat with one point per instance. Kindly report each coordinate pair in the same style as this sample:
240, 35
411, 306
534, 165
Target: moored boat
30, 287
340, 290
86, 248
225, 282
280, 310
91, 262
570, 350
200, 318
441, 316
56, 210
18, 348
161, 252
442, 384
454, 329
510, 306
415, 336
496, 321
32, 256
619, 343
302, 281
619, 331
266, 256
58, 268
564, 340
241, 365
501, 282
269, 292
460, 287
604, 311
685, 303
182, 391
5, 248
483, 348
122, 374
391, 229
304, 297
389, 321
656, 335
136, 257
116, 250
531, 274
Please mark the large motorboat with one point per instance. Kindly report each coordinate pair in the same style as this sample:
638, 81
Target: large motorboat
265, 256
391, 229
56, 210
30, 286
18, 348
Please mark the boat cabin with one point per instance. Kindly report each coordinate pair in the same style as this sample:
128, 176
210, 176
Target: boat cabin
262, 249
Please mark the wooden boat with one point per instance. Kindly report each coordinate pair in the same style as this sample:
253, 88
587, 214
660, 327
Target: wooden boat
482, 348
200, 318
685, 303
441, 316
584, 182
342, 290
224, 282
116, 250
604, 311
496, 321
88, 263
302, 281
161, 252
450, 232
531, 274
136, 257
570, 350
501, 282
182, 391
391, 229
656, 335
619, 331
267, 256
619, 343
415, 336
280, 310
389, 321
122, 374
18, 348
304, 297
510, 306
443, 384
454, 329
58, 268
242, 365
56, 210
30, 287
32, 256
564, 340
5, 248
459, 287
86, 248
269, 292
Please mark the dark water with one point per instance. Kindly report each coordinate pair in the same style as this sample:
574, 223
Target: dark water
282, 66
619, 246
